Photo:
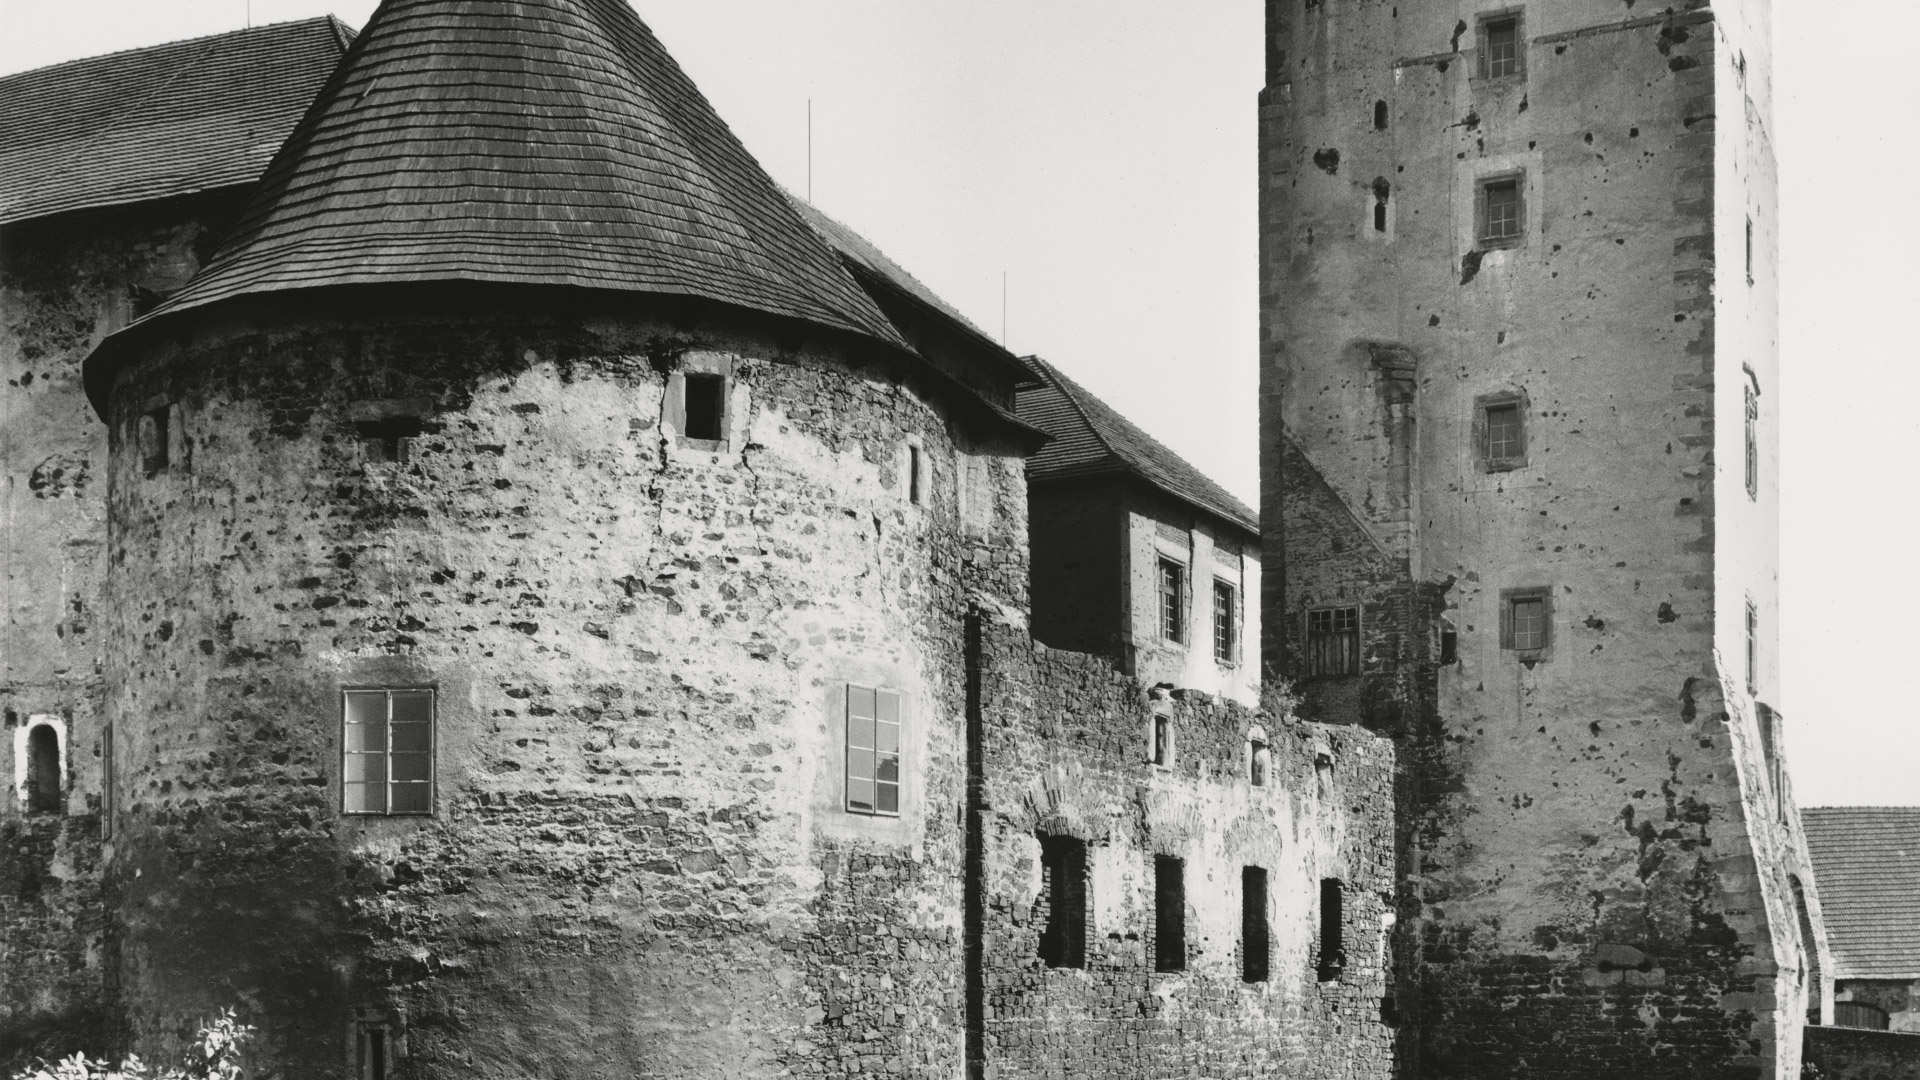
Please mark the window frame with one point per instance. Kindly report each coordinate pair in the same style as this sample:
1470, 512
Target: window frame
1169, 914
386, 752
1316, 665
1509, 638
1256, 925
1063, 933
1481, 426
1330, 944
1516, 69
1484, 188
1226, 624
880, 696
1173, 602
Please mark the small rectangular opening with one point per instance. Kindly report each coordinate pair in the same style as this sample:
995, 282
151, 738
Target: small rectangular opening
706, 397
153, 440
1333, 948
386, 439
1162, 740
1063, 868
1333, 641
1169, 913
374, 1051
914, 493
1255, 945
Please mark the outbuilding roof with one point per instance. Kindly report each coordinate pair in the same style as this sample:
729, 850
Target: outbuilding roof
1866, 865
535, 142
1091, 439
151, 123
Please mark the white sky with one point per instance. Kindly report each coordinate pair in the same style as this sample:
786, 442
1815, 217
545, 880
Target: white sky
1101, 155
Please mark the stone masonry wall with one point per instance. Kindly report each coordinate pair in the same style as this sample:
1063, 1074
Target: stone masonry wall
1067, 744
65, 283
639, 862
1856, 1054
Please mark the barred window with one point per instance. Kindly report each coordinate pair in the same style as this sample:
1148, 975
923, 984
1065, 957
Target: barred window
1063, 872
1173, 593
387, 744
873, 751
1226, 644
1333, 641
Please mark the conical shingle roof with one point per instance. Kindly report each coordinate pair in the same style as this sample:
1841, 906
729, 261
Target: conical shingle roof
540, 142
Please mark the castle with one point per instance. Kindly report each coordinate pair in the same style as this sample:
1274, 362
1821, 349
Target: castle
496, 588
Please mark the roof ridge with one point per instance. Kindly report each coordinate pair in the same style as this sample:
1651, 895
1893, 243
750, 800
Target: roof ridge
164, 45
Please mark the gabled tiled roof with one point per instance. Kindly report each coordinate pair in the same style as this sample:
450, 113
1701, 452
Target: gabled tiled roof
1866, 865
862, 253
1090, 439
540, 142
152, 123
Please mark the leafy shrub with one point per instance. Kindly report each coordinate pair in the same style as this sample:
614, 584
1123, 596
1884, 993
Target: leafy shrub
215, 1056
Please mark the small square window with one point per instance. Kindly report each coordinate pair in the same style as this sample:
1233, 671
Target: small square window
1501, 219
706, 402
1333, 641
387, 743
1502, 50
873, 751
1226, 626
1173, 596
1526, 620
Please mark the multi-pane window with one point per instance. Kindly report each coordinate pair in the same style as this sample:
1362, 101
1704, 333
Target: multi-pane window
1333, 641
1503, 47
1505, 438
1524, 622
387, 745
873, 750
1226, 645
1169, 913
1753, 442
1173, 595
1063, 872
1500, 210
1255, 940
1333, 948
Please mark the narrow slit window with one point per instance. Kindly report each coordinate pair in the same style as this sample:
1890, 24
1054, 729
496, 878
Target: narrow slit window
153, 440
1503, 47
1226, 636
373, 1050
1753, 648
1333, 641
1162, 739
1500, 211
43, 770
1379, 116
1753, 442
1749, 251
1259, 761
106, 782
1173, 594
1169, 913
1255, 939
1382, 191
1333, 948
1063, 867
916, 486
706, 398
387, 745
1380, 216
873, 751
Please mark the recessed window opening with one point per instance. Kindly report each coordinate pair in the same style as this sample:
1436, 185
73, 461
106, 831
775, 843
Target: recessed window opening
1259, 760
388, 749
1381, 191
106, 782
1169, 913
388, 438
43, 769
1379, 116
373, 1050
1173, 593
1063, 886
1333, 949
1333, 641
706, 397
153, 440
873, 751
1753, 648
1529, 614
916, 488
1505, 440
1449, 644
1503, 47
1226, 644
1749, 251
1162, 739
1256, 944
1380, 217
1810, 946
1753, 441
1501, 211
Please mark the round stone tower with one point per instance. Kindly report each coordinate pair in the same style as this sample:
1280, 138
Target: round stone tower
538, 579
1518, 458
